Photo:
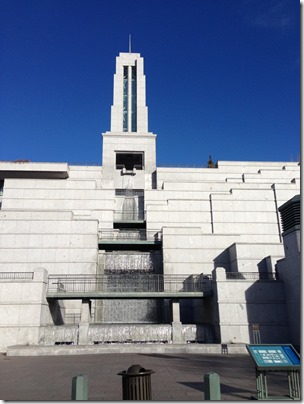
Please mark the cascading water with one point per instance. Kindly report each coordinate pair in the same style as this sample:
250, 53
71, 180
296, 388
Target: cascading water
127, 271
67, 334
131, 268
128, 262
129, 209
124, 333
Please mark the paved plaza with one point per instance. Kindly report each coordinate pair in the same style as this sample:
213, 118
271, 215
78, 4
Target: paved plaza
177, 377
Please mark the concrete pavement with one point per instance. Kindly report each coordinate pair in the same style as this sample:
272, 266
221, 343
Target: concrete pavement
177, 377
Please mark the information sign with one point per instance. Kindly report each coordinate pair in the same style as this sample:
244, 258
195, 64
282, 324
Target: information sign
274, 357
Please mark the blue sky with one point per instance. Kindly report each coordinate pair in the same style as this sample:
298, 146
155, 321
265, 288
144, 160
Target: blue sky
223, 77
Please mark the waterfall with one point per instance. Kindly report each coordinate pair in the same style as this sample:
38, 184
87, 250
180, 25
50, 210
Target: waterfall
131, 261
131, 266
126, 333
129, 208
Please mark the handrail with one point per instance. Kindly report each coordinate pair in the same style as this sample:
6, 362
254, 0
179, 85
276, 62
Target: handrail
132, 234
128, 283
164, 165
16, 275
265, 276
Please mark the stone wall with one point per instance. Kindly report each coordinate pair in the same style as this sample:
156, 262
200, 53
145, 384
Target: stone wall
245, 302
23, 308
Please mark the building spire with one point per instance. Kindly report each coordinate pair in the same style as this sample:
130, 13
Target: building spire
129, 111
129, 43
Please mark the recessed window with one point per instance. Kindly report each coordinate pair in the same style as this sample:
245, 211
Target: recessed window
130, 161
125, 98
134, 101
129, 99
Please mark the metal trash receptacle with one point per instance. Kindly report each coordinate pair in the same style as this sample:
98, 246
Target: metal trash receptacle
136, 383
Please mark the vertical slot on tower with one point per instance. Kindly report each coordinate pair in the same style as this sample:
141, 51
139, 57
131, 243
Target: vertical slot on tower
134, 100
125, 98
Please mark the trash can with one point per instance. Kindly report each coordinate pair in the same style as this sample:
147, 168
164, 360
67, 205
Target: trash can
136, 383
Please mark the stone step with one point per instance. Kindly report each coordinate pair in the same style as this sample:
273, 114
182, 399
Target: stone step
38, 350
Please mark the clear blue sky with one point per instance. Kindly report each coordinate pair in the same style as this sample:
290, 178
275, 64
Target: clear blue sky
223, 77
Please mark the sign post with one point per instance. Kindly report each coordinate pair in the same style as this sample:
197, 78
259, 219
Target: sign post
275, 358
256, 333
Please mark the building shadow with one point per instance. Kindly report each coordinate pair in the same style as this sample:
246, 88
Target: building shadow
266, 311
226, 389
55, 311
222, 260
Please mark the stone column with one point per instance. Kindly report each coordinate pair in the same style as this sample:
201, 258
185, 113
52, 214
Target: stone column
40, 282
35, 308
175, 311
84, 322
176, 323
85, 311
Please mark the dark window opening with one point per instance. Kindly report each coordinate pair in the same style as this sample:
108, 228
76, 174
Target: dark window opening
129, 225
129, 161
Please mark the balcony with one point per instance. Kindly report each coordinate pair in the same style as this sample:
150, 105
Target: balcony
129, 236
128, 286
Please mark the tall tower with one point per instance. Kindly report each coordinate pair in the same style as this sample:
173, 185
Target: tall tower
129, 150
129, 169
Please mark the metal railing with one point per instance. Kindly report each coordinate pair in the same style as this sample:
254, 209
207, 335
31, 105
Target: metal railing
131, 234
164, 165
85, 164
265, 276
16, 275
129, 283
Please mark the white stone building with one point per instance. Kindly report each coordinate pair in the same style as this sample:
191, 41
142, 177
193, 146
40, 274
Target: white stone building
129, 251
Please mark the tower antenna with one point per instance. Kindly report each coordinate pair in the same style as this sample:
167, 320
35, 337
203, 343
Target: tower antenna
129, 43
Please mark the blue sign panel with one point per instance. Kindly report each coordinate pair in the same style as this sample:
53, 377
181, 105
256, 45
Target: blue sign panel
274, 356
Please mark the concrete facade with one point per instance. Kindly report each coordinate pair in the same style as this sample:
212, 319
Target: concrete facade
221, 222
